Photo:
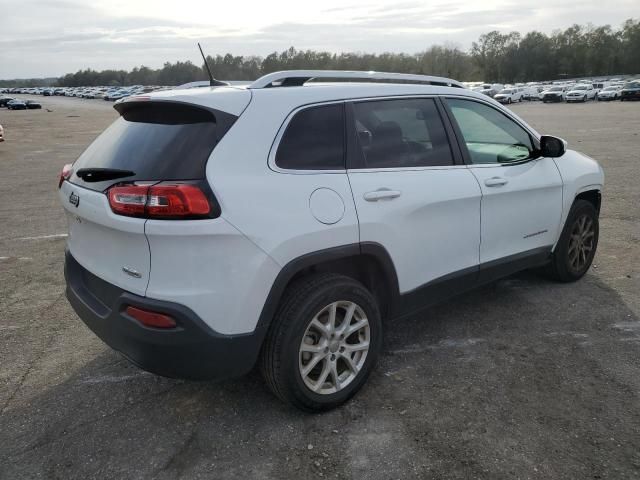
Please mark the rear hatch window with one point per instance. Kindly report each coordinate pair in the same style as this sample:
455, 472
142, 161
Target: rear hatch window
152, 141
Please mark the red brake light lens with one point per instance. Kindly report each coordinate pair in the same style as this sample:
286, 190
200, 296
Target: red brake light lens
176, 200
167, 200
66, 173
151, 319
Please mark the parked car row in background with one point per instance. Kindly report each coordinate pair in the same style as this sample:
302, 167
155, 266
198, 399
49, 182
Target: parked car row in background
557, 91
18, 104
561, 91
105, 93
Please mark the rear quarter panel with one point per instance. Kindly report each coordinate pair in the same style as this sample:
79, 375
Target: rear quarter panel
271, 207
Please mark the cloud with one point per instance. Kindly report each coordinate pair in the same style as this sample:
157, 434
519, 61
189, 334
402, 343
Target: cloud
53, 37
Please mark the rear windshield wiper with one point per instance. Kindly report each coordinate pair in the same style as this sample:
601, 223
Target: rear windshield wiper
102, 174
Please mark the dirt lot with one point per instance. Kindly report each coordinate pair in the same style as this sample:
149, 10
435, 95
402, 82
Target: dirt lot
521, 379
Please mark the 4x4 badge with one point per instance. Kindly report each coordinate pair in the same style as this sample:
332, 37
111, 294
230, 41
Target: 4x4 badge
74, 199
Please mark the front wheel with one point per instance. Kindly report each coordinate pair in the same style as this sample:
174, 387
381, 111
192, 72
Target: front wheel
324, 342
577, 245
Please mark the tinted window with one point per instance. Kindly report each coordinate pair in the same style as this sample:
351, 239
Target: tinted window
156, 142
490, 136
401, 133
314, 140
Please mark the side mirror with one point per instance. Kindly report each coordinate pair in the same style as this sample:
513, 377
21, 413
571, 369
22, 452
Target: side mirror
552, 147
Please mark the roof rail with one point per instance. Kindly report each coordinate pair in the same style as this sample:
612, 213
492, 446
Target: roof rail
296, 78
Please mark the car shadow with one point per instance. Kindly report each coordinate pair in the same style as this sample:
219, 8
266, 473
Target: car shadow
518, 375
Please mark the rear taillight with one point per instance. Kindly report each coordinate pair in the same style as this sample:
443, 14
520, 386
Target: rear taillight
176, 200
151, 319
65, 174
129, 200
166, 200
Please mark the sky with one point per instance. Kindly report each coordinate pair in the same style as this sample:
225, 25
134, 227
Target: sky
42, 38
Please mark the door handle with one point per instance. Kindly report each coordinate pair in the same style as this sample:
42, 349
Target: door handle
381, 194
496, 182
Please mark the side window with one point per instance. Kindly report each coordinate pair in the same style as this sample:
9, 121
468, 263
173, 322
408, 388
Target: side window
401, 133
490, 136
314, 140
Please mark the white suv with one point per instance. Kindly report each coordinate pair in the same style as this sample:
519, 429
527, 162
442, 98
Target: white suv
215, 228
581, 93
510, 95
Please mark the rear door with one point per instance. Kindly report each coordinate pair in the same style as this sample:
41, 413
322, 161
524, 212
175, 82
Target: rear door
150, 142
521, 193
411, 195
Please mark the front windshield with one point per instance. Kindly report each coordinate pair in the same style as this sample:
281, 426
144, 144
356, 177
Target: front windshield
555, 89
632, 85
581, 87
610, 89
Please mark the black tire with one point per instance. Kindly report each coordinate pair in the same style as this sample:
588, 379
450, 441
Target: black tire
509, 101
560, 267
280, 356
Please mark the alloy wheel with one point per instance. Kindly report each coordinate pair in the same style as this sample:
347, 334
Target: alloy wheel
334, 347
581, 242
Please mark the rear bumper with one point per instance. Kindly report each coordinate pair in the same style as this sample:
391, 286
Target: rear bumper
191, 350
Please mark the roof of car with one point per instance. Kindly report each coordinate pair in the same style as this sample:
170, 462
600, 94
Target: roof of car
233, 99
279, 90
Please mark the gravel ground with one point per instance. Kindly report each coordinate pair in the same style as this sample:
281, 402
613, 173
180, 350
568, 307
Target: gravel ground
522, 379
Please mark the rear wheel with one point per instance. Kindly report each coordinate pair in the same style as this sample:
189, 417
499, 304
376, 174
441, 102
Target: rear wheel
577, 245
324, 342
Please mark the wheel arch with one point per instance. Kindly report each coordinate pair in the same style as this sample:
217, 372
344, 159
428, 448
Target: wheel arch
367, 262
593, 195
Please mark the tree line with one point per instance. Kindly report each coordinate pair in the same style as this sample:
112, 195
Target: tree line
578, 51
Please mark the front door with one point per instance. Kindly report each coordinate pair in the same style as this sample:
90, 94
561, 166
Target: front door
521, 193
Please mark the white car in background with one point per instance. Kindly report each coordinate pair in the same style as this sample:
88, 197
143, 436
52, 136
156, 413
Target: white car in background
581, 93
555, 93
510, 95
489, 89
609, 93
532, 92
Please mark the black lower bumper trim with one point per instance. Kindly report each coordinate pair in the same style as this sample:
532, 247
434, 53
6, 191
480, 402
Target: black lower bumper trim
191, 351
